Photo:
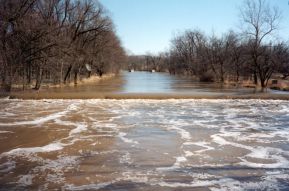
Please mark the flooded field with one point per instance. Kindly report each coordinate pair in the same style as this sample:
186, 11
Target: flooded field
144, 145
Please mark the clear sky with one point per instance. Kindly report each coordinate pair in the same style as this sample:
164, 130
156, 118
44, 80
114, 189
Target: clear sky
148, 25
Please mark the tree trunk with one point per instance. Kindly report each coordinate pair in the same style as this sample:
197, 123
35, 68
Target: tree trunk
238, 76
61, 71
75, 77
263, 84
67, 74
255, 78
29, 73
39, 76
24, 78
6, 84
7, 79
222, 75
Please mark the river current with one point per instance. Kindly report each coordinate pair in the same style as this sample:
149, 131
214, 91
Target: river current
144, 145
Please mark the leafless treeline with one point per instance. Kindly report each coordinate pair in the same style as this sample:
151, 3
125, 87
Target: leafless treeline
148, 62
55, 40
226, 58
251, 53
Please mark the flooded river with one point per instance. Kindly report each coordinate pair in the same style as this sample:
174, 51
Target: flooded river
154, 83
144, 145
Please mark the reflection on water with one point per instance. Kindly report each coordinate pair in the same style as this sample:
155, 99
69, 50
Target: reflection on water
147, 82
144, 145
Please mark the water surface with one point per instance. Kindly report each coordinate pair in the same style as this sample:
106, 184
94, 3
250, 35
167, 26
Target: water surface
144, 145
155, 83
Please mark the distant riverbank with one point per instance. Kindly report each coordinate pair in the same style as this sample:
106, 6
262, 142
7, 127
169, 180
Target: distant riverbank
155, 96
145, 85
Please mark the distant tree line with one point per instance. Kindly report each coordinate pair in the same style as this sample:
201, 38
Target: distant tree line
55, 41
250, 54
227, 58
147, 62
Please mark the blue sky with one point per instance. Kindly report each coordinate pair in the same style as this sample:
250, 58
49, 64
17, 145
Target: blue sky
148, 25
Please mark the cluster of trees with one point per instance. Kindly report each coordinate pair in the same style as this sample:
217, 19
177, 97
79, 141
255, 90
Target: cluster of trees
147, 62
249, 54
228, 57
55, 40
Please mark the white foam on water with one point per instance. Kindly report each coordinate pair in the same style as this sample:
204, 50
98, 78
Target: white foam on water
110, 125
189, 153
136, 177
260, 137
200, 181
88, 187
26, 180
204, 145
180, 160
277, 161
47, 148
183, 185
221, 141
44, 119
6, 114
176, 165
192, 184
122, 136
267, 182
36, 121
231, 134
264, 152
80, 128
7, 166
223, 184
65, 123
5, 132
202, 176
126, 159
53, 170
267, 153
185, 135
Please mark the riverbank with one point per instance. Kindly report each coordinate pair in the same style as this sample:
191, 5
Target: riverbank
142, 85
154, 96
47, 89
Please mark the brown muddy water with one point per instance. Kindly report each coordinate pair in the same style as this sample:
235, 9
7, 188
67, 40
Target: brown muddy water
144, 144
153, 83
146, 85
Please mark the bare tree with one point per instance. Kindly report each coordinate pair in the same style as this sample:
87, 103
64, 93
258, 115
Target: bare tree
52, 40
280, 58
260, 21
